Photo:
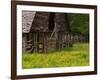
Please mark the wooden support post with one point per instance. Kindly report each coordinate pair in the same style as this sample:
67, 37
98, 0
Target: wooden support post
34, 45
24, 41
62, 40
36, 40
44, 42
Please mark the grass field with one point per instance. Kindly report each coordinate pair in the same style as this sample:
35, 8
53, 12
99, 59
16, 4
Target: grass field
78, 55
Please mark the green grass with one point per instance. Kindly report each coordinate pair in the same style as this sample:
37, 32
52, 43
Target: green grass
78, 55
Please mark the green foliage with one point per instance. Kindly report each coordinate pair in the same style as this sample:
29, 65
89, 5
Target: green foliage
79, 23
78, 55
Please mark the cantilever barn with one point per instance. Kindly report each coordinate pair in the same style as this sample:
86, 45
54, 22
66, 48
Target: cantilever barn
45, 31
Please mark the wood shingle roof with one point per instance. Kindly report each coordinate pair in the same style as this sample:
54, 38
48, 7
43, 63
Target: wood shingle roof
27, 19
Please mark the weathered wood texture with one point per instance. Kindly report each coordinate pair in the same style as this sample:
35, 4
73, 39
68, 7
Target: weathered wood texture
40, 22
27, 19
48, 32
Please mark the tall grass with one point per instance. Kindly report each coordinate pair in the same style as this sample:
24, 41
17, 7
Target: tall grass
78, 55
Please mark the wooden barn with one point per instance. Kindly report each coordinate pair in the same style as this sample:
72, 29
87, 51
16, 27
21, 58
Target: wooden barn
45, 31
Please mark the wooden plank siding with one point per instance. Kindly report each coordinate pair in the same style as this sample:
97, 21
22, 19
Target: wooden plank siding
48, 32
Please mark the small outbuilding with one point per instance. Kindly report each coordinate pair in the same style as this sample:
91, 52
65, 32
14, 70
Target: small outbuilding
45, 31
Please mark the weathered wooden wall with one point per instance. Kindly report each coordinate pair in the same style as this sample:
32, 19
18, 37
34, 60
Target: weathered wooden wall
41, 42
48, 32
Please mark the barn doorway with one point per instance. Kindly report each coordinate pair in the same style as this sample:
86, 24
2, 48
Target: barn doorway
51, 22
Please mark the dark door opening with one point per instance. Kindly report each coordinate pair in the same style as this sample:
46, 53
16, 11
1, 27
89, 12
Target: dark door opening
51, 21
